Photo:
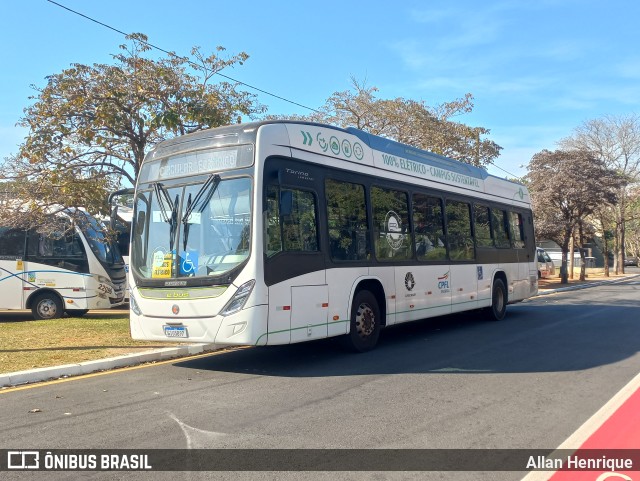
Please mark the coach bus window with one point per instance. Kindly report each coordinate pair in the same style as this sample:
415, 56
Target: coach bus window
294, 228
61, 248
482, 226
11, 243
517, 230
347, 219
429, 228
392, 234
500, 228
459, 231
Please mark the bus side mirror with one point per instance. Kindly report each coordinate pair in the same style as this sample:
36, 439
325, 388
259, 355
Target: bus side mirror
286, 202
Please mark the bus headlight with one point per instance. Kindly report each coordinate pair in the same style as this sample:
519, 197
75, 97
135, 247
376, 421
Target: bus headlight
239, 298
134, 305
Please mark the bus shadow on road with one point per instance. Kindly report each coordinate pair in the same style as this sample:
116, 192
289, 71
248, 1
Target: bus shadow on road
540, 337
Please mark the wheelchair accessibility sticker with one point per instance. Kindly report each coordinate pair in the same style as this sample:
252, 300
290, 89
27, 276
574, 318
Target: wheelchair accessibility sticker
189, 263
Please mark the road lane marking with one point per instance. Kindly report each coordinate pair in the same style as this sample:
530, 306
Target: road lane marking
591, 427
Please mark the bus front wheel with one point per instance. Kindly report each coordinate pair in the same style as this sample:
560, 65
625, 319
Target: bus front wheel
498, 300
366, 321
47, 306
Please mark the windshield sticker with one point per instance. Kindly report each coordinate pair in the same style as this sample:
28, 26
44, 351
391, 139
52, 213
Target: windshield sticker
162, 265
189, 263
394, 237
194, 218
158, 216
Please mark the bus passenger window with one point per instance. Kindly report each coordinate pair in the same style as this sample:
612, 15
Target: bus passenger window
392, 233
293, 230
500, 228
459, 231
273, 237
517, 230
347, 219
429, 228
483, 226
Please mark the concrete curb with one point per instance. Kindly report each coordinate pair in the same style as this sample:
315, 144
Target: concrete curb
13, 379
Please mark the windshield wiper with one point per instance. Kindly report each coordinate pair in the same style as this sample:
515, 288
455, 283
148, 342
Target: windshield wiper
163, 196
209, 187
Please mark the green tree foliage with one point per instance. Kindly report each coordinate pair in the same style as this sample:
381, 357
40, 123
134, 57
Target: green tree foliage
566, 187
410, 121
91, 125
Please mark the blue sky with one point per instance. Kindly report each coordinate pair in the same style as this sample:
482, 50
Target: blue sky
537, 69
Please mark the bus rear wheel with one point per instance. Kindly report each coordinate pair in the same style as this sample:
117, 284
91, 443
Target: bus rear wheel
366, 322
47, 306
499, 298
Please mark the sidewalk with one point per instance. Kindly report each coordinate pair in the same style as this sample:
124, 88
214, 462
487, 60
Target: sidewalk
594, 277
546, 286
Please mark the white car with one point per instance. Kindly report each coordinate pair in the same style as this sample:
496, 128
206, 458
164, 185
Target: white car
546, 268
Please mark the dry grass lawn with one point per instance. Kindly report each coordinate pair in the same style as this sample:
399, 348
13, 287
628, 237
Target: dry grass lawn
28, 344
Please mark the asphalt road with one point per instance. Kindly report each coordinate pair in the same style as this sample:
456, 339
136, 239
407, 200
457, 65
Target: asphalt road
457, 382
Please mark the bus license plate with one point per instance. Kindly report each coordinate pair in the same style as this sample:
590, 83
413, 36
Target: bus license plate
175, 331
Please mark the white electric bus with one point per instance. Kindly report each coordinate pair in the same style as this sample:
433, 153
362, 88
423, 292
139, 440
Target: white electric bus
280, 232
71, 269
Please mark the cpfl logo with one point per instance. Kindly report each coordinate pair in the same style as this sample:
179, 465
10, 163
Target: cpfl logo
443, 282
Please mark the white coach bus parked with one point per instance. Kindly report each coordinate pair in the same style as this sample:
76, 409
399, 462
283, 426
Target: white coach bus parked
281, 232
73, 269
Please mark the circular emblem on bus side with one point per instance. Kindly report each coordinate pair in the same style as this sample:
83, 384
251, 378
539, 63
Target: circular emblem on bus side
394, 236
175, 309
409, 281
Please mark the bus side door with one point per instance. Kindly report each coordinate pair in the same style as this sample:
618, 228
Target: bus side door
11, 284
12, 267
464, 287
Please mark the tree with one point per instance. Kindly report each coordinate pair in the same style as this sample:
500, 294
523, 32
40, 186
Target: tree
616, 142
632, 244
90, 126
410, 121
566, 187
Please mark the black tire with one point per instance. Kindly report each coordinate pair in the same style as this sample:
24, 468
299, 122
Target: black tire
499, 300
366, 322
77, 312
47, 306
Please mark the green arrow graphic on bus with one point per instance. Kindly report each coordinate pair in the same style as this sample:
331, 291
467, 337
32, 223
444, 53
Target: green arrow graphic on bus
306, 138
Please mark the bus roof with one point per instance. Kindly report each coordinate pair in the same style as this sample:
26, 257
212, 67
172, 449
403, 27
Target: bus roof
352, 145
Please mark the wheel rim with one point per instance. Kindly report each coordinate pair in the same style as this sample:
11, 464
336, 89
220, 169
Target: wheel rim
365, 321
47, 308
499, 300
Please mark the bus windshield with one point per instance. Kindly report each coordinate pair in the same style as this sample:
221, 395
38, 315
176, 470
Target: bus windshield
105, 250
200, 230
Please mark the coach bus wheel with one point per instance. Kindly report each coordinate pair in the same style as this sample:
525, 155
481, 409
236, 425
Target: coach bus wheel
77, 312
498, 300
47, 306
365, 322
